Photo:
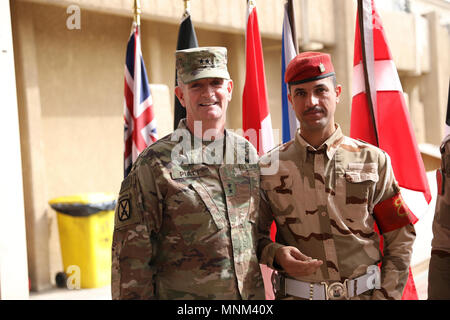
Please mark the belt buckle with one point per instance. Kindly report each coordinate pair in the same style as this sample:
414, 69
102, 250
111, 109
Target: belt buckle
278, 283
336, 290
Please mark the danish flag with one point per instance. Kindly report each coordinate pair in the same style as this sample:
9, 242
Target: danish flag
379, 113
140, 122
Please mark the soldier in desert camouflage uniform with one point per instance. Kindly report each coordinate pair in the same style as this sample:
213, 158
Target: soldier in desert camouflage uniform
439, 271
186, 215
325, 198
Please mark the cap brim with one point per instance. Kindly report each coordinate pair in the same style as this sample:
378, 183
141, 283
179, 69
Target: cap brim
322, 76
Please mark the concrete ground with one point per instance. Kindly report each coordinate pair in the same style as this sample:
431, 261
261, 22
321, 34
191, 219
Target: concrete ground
103, 293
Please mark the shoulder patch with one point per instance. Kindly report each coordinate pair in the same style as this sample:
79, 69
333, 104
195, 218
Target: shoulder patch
124, 212
127, 212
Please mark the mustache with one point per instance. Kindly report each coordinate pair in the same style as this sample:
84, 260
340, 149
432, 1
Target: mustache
313, 109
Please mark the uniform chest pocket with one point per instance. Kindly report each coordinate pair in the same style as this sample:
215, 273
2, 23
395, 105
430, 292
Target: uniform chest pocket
194, 213
241, 190
360, 181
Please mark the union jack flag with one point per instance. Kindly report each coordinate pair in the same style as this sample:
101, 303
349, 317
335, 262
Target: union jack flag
140, 122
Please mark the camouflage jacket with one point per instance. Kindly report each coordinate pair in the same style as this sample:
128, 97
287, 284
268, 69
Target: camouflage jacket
441, 224
187, 230
322, 202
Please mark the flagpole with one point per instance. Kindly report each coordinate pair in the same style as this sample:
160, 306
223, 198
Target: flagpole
292, 23
187, 7
137, 12
366, 73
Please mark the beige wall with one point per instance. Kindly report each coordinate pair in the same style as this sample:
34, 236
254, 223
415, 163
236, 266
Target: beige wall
13, 250
70, 85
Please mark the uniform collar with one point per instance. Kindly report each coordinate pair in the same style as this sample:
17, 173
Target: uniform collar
329, 147
202, 148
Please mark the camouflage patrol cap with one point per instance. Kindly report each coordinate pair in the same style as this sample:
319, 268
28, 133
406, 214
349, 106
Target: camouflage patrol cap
202, 62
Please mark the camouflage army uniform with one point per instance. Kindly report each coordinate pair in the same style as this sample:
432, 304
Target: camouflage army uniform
439, 271
187, 231
322, 201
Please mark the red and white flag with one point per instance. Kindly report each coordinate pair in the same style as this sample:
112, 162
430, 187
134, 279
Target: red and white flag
379, 113
140, 122
255, 108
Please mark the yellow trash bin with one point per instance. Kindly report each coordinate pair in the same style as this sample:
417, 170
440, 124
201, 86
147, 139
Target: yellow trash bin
86, 224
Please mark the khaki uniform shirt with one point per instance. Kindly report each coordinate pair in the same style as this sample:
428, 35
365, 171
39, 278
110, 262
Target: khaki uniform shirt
322, 201
187, 231
441, 224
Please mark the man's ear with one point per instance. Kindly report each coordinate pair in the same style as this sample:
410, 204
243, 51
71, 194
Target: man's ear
230, 89
180, 96
338, 90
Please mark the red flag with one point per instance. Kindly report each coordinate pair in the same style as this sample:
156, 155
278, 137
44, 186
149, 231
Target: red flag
255, 109
387, 123
379, 113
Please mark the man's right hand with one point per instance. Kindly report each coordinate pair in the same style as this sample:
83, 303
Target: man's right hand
296, 263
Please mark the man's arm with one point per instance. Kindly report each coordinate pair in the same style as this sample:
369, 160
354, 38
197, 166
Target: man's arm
395, 263
278, 256
395, 221
266, 247
137, 217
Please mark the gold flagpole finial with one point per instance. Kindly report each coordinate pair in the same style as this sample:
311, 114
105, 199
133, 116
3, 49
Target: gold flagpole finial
137, 12
187, 6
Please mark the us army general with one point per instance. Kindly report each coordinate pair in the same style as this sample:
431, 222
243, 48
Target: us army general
185, 223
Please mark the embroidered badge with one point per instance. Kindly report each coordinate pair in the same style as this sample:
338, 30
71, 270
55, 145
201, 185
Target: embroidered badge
124, 210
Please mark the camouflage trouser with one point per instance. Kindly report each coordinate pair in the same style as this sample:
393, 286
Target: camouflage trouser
439, 277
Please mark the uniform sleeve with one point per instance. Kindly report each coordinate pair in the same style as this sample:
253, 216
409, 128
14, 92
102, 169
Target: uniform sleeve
137, 219
395, 223
441, 221
266, 247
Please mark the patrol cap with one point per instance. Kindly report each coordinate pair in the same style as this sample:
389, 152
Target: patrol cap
202, 62
309, 66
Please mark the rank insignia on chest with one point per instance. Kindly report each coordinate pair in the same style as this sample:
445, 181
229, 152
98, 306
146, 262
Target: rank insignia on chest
124, 212
230, 189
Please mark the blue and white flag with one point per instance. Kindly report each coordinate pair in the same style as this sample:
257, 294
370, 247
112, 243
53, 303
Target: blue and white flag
288, 52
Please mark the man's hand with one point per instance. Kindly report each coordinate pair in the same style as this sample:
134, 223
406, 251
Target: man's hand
296, 263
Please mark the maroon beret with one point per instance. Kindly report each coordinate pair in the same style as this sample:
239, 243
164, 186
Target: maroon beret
309, 66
